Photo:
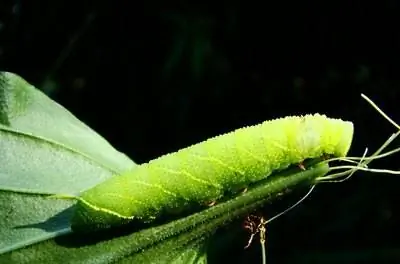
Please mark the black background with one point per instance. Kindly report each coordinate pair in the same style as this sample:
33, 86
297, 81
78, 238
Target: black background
156, 76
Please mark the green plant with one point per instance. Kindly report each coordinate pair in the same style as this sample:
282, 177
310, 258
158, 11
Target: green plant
48, 139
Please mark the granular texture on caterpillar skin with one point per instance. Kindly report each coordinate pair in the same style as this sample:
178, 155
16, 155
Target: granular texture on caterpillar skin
206, 171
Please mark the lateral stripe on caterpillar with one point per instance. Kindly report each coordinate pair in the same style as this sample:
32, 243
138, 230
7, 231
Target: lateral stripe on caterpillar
206, 171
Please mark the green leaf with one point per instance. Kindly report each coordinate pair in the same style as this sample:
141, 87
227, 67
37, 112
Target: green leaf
44, 149
27, 113
180, 241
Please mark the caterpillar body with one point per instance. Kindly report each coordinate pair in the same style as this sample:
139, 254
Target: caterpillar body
206, 171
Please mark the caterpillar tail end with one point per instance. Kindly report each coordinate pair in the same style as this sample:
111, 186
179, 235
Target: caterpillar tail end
89, 218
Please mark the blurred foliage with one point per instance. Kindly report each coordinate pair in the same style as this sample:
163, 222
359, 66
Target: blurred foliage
188, 71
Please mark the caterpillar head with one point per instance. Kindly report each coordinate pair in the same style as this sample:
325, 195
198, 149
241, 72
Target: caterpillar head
337, 137
319, 135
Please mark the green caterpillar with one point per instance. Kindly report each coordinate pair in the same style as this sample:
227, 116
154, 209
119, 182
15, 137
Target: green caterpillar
205, 172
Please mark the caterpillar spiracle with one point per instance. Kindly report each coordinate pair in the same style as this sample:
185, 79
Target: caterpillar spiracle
206, 171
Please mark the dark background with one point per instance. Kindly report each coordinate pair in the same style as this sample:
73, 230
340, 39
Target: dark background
156, 76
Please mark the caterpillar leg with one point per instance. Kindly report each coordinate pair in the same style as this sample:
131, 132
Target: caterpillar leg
301, 166
211, 203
